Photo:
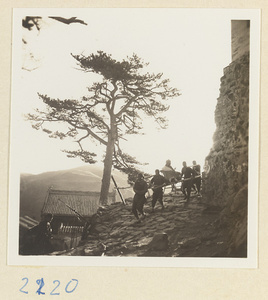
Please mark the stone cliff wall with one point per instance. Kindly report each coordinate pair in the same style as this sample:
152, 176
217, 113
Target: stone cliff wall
226, 184
228, 158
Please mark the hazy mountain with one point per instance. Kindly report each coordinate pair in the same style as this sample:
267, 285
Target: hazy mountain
33, 188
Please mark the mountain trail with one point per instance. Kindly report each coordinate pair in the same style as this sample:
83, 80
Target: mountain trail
180, 230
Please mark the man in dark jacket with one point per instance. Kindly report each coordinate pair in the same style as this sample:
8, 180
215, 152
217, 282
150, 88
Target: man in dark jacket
37, 240
187, 174
43, 239
157, 183
140, 188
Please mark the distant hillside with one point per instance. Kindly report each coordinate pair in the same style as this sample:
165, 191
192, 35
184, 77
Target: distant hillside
33, 188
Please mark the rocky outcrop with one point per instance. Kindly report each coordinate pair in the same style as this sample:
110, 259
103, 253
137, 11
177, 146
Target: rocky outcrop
228, 158
226, 184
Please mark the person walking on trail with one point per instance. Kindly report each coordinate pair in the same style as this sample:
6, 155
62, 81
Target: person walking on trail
157, 183
187, 175
197, 177
140, 188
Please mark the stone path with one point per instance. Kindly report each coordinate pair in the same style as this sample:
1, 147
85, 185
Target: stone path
178, 230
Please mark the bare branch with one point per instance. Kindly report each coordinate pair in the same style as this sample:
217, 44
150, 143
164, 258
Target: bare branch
94, 135
69, 21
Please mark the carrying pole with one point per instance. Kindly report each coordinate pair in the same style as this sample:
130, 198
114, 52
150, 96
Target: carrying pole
120, 195
80, 217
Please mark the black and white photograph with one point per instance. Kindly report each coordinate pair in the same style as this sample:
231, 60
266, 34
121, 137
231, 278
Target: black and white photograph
134, 137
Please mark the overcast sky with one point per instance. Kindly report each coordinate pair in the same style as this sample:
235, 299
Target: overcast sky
191, 47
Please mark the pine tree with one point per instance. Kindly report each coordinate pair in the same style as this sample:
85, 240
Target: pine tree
113, 109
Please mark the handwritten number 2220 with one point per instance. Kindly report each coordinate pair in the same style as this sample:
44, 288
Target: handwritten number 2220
41, 284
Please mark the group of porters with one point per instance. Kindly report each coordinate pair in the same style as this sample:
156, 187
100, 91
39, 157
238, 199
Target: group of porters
37, 240
190, 178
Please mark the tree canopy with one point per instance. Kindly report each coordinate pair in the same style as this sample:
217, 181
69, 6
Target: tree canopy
112, 110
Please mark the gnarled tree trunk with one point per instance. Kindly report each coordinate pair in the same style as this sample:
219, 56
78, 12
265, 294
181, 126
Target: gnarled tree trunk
108, 163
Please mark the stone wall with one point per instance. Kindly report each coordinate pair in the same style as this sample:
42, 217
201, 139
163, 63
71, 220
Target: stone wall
226, 184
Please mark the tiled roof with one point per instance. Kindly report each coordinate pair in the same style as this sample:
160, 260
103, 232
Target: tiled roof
28, 222
85, 203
